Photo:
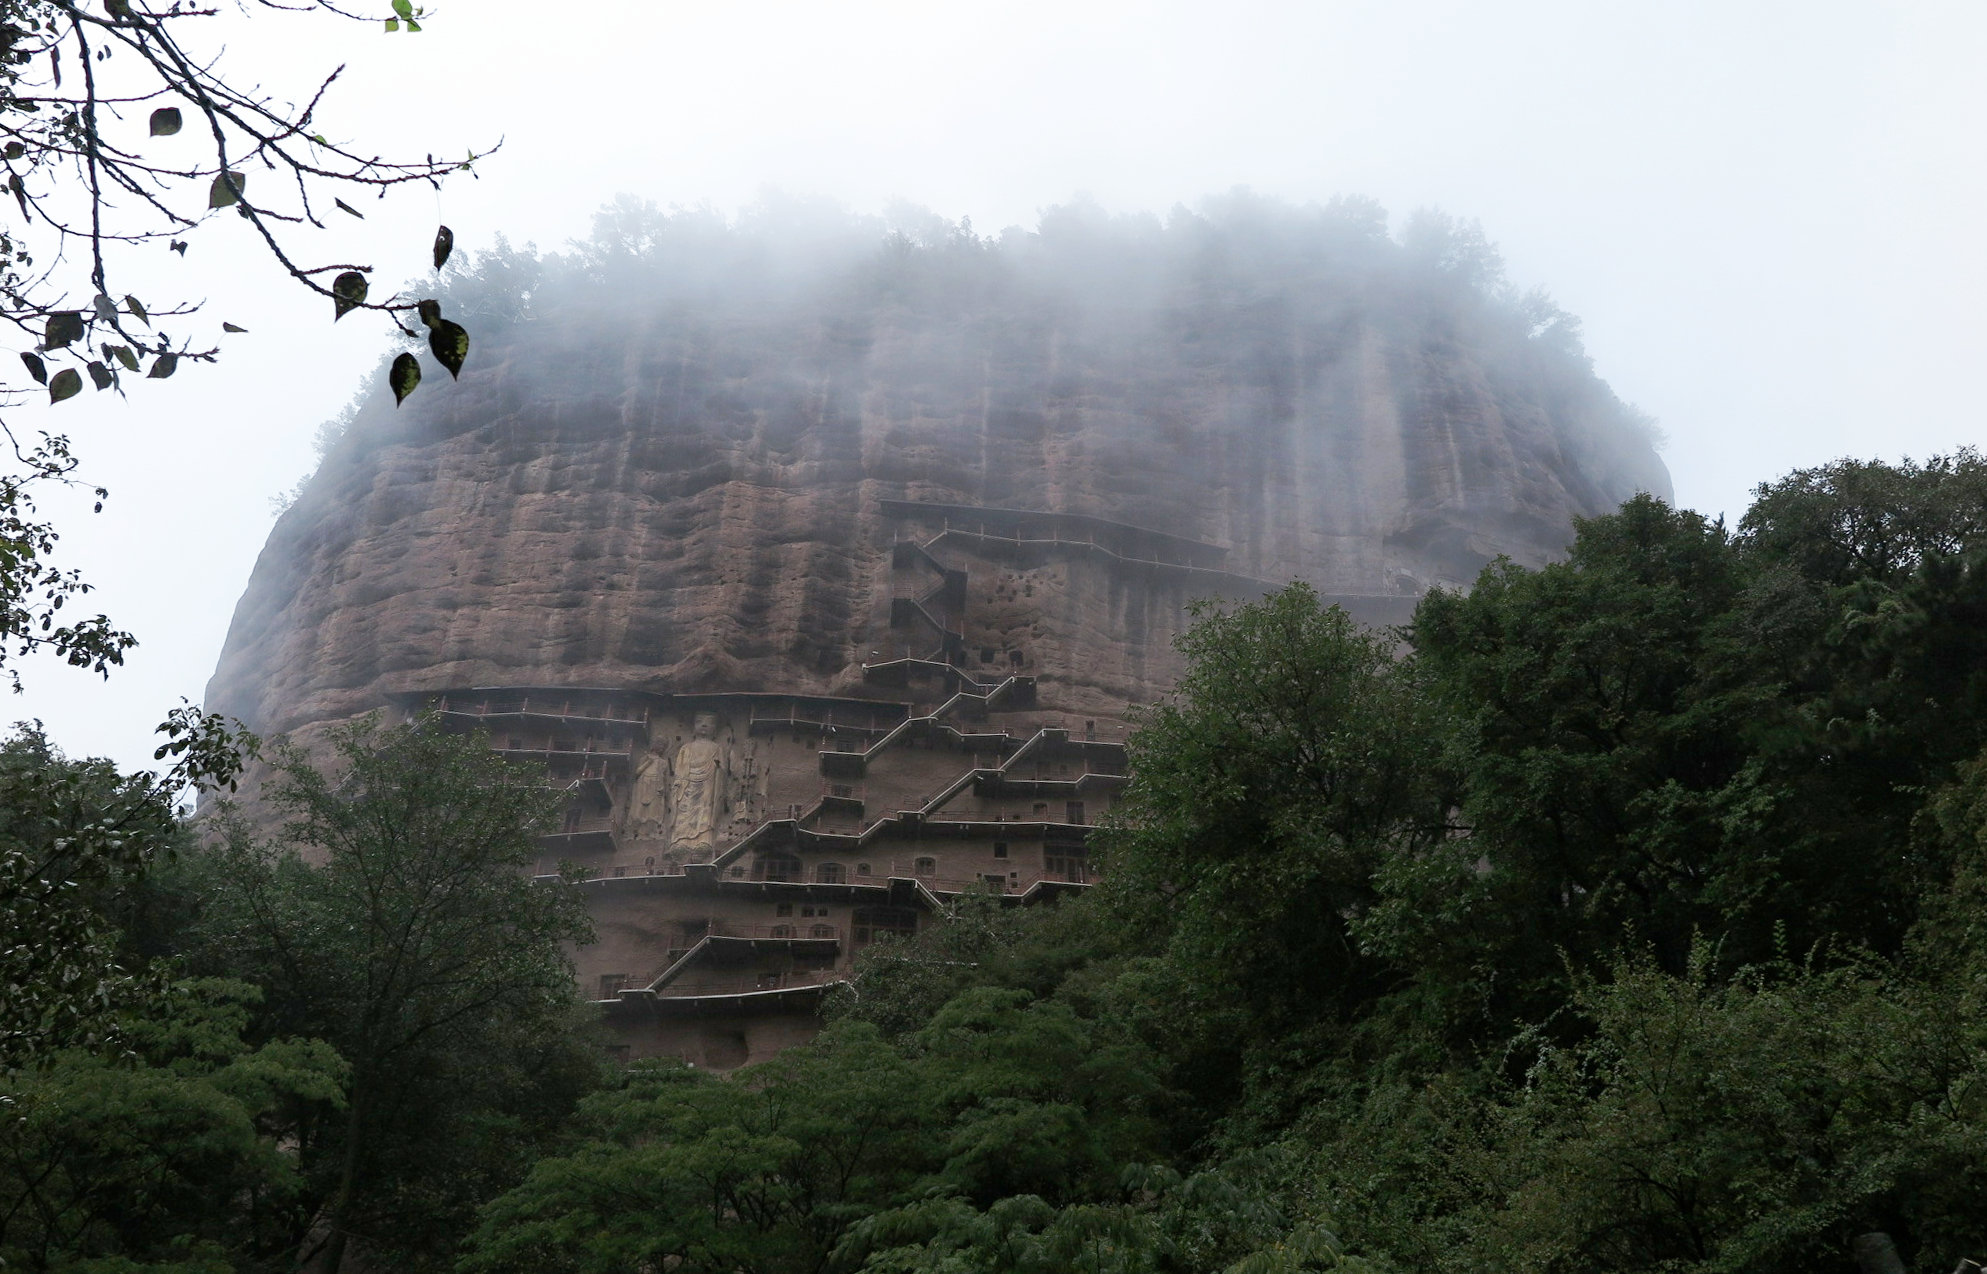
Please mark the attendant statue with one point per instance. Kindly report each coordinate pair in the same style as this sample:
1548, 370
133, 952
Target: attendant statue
648, 812
699, 787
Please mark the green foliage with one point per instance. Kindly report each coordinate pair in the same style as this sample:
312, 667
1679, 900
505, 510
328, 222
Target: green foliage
1297, 753
1605, 782
997, 1096
1157, 1222
171, 1156
75, 839
1506, 1044
978, 939
1755, 1122
1621, 914
394, 920
684, 1171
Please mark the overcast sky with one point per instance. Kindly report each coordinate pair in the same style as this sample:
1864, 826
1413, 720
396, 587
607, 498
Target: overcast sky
1768, 215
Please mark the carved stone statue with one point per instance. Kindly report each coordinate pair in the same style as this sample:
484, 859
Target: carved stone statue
648, 803
699, 787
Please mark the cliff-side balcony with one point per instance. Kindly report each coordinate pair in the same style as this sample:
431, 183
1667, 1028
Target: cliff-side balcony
924, 871
458, 708
809, 934
745, 982
996, 784
582, 836
570, 764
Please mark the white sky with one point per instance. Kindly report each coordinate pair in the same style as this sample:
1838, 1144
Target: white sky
1767, 214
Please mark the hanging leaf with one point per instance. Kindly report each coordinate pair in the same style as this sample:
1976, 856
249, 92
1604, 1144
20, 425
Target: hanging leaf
105, 307
36, 368
64, 327
178, 245
101, 375
20, 190
393, 24
230, 327
348, 293
227, 189
431, 312
403, 376
450, 342
14, 150
349, 208
165, 121
444, 244
131, 303
67, 384
163, 366
124, 355
413, 25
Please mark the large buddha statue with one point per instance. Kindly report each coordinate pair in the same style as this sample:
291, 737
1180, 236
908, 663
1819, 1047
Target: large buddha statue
698, 787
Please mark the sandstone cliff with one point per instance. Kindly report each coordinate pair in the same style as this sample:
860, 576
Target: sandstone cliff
672, 460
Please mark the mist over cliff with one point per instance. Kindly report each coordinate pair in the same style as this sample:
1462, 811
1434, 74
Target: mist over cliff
668, 459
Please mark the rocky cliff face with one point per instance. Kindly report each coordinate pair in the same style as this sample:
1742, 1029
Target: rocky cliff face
679, 460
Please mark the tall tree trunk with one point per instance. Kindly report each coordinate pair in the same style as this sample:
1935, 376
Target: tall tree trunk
348, 1177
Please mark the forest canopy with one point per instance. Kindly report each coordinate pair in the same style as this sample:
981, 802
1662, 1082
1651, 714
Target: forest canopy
1618, 914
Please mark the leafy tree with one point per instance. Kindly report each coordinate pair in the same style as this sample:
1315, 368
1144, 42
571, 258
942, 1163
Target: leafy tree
1755, 1122
394, 919
1159, 1222
1296, 753
1869, 611
684, 1171
978, 939
173, 1155
1605, 771
997, 1096
75, 837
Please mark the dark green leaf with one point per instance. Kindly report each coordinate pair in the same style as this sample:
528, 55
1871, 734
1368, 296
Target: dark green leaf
101, 375
163, 366
67, 383
230, 327
64, 327
431, 312
165, 121
36, 368
131, 303
227, 189
345, 207
348, 293
178, 245
444, 244
450, 342
124, 355
403, 376
14, 150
